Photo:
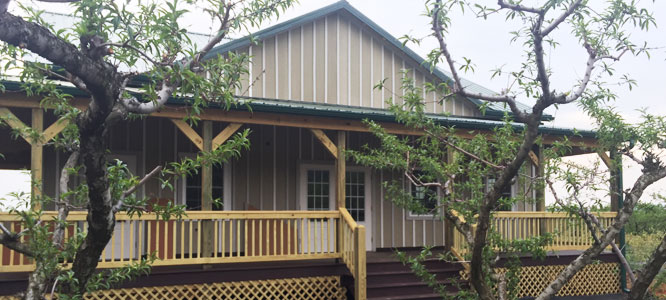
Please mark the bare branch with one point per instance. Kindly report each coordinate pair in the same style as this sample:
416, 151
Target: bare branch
11, 241
561, 18
63, 205
128, 192
457, 87
519, 7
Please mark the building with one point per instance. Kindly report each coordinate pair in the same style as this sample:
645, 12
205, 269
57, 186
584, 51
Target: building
280, 231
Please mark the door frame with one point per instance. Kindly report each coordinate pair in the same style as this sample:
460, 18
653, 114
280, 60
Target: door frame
302, 192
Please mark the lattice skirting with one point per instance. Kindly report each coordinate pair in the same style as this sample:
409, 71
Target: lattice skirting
311, 288
594, 279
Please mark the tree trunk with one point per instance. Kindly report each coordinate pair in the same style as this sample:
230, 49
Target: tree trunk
647, 274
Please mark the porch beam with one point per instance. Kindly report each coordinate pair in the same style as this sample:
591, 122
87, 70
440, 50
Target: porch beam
300, 121
606, 159
328, 144
8, 117
55, 128
192, 135
225, 134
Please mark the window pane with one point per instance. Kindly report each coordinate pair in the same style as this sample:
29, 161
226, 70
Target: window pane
318, 190
355, 195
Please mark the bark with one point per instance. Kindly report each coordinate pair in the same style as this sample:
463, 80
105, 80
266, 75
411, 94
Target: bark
649, 271
63, 205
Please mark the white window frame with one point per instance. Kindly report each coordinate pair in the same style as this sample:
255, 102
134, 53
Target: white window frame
514, 206
303, 184
414, 216
226, 184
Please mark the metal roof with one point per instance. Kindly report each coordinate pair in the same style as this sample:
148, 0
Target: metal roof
340, 111
495, 110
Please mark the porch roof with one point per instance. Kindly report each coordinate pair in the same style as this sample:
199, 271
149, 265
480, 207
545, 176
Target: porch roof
317, 109
382, 115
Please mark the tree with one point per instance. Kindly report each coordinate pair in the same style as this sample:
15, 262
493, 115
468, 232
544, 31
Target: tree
470, 182
111, 44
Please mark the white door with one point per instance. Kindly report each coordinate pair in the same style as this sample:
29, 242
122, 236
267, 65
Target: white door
317, 192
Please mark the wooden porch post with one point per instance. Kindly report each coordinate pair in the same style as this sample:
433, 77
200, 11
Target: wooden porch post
207, 191
36, 163
541, 190
449, 228
341, 169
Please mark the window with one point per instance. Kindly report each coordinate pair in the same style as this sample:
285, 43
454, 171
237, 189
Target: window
506, 193
425, 195
355, 195
193, 189
318, 190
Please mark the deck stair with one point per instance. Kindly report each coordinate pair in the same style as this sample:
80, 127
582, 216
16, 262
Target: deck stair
389, 279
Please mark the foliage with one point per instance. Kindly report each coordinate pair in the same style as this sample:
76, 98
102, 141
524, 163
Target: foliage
648, 218
470, 172
129, 58
641, 245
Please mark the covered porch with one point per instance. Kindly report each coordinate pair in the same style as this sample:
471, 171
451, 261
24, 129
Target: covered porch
268, 212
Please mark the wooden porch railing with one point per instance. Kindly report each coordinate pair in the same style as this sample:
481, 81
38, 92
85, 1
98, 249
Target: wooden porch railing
569, 233
353, 251
237, 236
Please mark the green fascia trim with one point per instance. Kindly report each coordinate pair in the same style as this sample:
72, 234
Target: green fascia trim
337, 111
381, 115
344, 5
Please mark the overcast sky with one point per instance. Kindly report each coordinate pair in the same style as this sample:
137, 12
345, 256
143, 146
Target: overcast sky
487, 43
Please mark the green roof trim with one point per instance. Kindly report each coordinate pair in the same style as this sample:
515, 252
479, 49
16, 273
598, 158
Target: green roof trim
495, 110
339, 111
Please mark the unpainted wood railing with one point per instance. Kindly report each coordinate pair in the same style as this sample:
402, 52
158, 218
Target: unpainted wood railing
203, 237
353, 251
568, 232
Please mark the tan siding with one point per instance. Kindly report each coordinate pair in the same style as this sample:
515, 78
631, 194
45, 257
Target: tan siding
355, 65
397, 78
320, 60
244, 81
283, 66
387, 57
376, 76
257, 71
331, 81
344, 63
333, 60
366, 69
270, 79
296, 66
308, 62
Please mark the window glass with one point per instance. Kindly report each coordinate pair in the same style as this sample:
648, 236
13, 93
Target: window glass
193, 189
318, 191
355, 195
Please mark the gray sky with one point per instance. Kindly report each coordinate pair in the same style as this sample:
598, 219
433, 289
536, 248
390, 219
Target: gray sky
487, 43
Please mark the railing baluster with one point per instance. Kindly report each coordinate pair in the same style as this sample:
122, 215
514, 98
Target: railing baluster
281, 236
274, 236
238, 238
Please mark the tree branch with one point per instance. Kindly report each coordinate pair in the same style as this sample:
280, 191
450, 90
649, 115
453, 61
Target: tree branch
519, 7
12, 241
131, 190
457, 87
561, 18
